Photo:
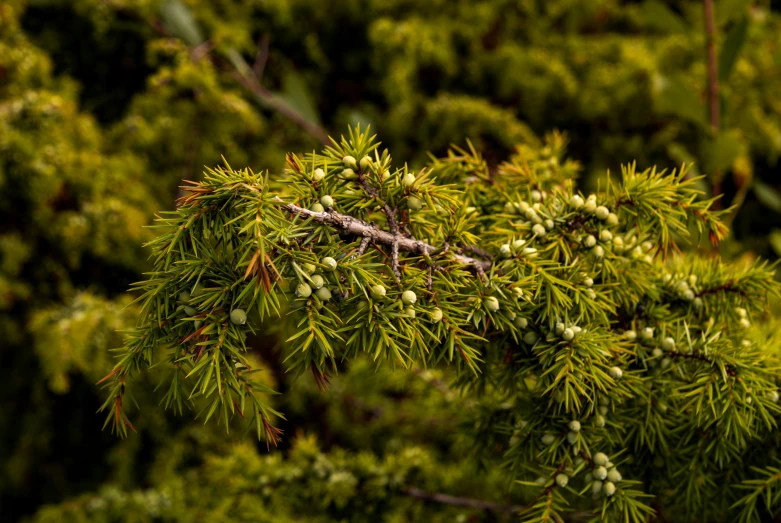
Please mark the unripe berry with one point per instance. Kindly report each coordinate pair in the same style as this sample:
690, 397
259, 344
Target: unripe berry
539, 230
509, 208
414, 204
614, 475
505, 251
436, 315
548, 439
742, 313
408, 297
698, 303
590, 206
378, 292
238, 317
600, 472
410, 312
198, 289
602, 212
522, 207
562, 480
600, 458
491, 304
572, 437
609, 488
603, 409
317, 207
323, 294
348, 173
647, 333
588, 282
365, 163
303, 290
596, 487
536, 196
327, 202
317, 281
612, 219
517, 244
530, 214
184, 297
559, 328
521, 323
744, 323
773, 395
668, 344
318, 175
574, 425
616, 373
529, 252
630, 335
518, 292
576, 201
190, 311
657, 352
349, 161
599, 251
590, 241
408, 180
605, 235
330, 263
549, 224
530, 338
567, 335
600, 422
688, 295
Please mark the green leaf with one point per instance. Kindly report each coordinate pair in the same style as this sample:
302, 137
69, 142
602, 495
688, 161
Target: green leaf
673, 97
296, 94
727, 10
660, 17
178, 20
721, 152
730, 50
775, 240
767, 195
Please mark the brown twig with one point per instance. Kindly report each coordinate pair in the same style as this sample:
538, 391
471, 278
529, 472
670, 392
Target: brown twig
262, 57
713, 89
461, 502
358, 227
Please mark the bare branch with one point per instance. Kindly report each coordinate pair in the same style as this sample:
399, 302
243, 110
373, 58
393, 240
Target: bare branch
461, 502
360, 228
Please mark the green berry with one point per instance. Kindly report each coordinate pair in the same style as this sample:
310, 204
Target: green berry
184, 297
238, 317
509, 208
574, 425
604, 235
590, 241
378, 292
323, 294
614, 475
549, 224
529, 252
536, 195
588, 282
600, 459
665, 363
567, 335
572, 437
600, 422
668, 344
329, 263
408, 180
198, 289
657, 352
647, 333
548, 439
518, 292
530, 214
408, 297
348, 174
505, 251
530, 338
491, 304
317, 207
600, 472
609, 488
327, 202
599, 251
303, 290
414, 204
349, 161
562, 480
590, 206
596, 487
630, 335
576, 201
436, 315
365, 163
539, 230
521, 323
616, 373
310, 268
603, 409
602, 212
190, 311
612, 219
317, 281
318, 175
410, 312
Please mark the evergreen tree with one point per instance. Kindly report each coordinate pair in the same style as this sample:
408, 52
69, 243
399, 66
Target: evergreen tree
614, 371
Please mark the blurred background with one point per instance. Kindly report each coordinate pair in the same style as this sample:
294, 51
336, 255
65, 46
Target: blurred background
107, 105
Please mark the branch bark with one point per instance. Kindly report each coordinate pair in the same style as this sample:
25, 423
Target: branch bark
461, 502
362, 229
713, 90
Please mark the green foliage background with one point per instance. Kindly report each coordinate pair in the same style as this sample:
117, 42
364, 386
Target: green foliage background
105, 106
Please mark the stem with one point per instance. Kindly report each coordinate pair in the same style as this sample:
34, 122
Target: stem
462, 502
362, 229
713, 90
